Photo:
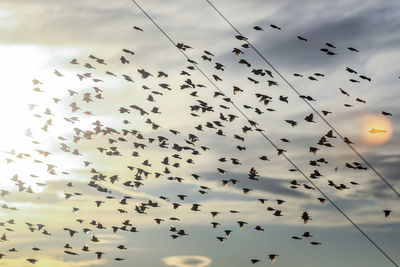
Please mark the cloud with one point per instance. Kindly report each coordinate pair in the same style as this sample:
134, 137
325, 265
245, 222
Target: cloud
48, 262
367, 25
265, 184
389, 169
187, 261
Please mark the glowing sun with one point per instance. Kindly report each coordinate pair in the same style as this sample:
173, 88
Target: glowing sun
377, 130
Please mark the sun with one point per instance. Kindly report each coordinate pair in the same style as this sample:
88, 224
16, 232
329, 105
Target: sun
384, 130
22, 109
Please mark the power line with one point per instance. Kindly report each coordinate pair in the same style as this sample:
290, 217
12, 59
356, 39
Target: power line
269, 140
308, 103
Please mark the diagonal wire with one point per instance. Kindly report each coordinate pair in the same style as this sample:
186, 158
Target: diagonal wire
309, 104
270, 141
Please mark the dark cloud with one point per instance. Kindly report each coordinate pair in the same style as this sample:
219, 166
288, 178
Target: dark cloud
265, 184
194, 262
388, 167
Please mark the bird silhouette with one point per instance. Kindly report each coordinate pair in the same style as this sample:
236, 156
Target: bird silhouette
275, 27
137, 28
302, 38
387, 212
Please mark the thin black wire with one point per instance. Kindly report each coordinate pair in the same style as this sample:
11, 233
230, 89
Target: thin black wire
308, 103
269, 140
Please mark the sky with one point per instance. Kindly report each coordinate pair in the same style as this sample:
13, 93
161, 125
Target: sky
58, 129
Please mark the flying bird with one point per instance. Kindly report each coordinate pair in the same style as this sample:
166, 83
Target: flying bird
302, 38
387, 212
137, 28
275, 27
352, 49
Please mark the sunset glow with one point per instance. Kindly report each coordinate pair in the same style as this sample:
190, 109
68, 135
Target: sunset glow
377, 122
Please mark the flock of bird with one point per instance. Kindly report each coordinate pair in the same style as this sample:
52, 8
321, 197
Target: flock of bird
179, 155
